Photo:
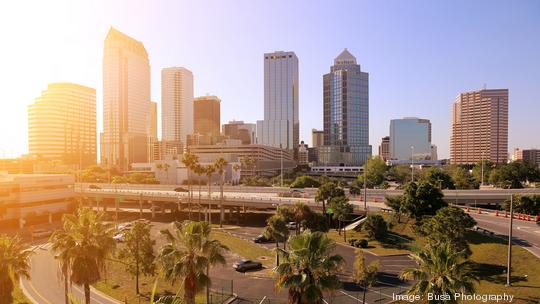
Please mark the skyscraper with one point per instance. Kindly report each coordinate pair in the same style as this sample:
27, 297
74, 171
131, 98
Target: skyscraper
317, 138
480, 127
246, 132
62, 125
346, 113
280, 127
126, 101
410, 138
176, 105
384, 148
153, 119
206, 117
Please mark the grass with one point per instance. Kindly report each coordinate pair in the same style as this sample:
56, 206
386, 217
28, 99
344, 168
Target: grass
19, 297
244, 248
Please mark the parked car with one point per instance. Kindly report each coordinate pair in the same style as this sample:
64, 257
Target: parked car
297, 193
291, 225
262, 239
41, 233
124, 227
94, 187
145, 221
119, 237
181, 189
245, 265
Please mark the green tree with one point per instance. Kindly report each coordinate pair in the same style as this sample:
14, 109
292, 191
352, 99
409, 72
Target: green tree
199, 170
375, 226
276, 229
327, 191
220, 164
14, 263
365, 276
477, 170
189, 160
514, 174
438, 177
342, 209
188, 255
441, 270
461, 178
355, 188
449, 225
375, 171
399, 173
524, 204
305, 181
138, 252
83, 246
421, 199
309, 268
394, 203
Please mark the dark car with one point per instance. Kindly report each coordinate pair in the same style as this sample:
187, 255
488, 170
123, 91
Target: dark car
245, 265
262, 239
181, 189
297, 193
94, 187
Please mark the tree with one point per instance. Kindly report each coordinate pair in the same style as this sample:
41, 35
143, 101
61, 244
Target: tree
365, 276
305, 181
188, 255
461, 178
14, 263
394, 203
138, 252
524, 204
375, 170
220, 164
421, 199
399, 173
477, 170
199, 170
326, 191
309, 268
189, 160
375, 226
342, 209
449, 225
441, 270
83, 246
514, 174
355, 188
438, 177
276, 229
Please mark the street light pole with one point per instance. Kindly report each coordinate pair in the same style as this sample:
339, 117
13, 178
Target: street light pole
412, 164
365, 186
509, 263
482, 183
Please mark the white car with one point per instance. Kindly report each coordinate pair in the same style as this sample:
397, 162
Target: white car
119, 237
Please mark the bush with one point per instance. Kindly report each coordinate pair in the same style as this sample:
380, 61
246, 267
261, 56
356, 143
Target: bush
305, 182
352, 242
363, 243
375, 226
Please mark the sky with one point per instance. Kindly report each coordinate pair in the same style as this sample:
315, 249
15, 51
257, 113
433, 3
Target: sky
420, 55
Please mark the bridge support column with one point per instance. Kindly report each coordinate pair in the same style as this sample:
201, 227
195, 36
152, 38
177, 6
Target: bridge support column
237, 215
222, 213
140, 206
152, 208
163, 210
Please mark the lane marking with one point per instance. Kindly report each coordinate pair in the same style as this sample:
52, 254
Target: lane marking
37, 293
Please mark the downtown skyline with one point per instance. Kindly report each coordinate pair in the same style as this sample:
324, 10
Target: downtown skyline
425, 92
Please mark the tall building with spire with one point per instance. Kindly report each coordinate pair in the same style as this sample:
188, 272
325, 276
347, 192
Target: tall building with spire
280, 127
126, 101
346, 113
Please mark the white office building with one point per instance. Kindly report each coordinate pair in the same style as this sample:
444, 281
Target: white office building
176, 104
410, 138
280, 127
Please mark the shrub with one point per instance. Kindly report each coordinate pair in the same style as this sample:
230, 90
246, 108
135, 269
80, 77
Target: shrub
352, 242
375, 226
305, 182
363, 243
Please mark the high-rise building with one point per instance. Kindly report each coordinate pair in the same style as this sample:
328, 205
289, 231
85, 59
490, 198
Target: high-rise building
62, 125
346, 113
384, 148
176, 105
237, 129
480, 127
528, 155
153, 119
317, 138
126, 101
410, 138
206, 117
280, 127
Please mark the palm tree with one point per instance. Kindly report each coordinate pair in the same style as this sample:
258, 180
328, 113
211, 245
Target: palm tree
342, 209
14, 263
301, 213
209, 170
199, 170
236, 167
309, 268
188, 254
83, 246
276, 229
189, 160
220, 165
441, 270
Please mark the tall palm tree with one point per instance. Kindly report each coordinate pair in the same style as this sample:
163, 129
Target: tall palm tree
188, 256
276, 229
189, 160
441, 270
199, 170
220, 164
14, 263
309, 268
301, 213
83, 246
236, 167
209, 170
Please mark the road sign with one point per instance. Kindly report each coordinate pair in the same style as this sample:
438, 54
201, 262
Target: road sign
329, 211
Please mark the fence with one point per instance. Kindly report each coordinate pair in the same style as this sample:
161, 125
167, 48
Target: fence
221, 291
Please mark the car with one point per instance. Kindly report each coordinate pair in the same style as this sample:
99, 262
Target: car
297, 193
124, 227
94, 187
145, 221
41, 233
291, 225
181, 189
245, 265
261, 239
119, 237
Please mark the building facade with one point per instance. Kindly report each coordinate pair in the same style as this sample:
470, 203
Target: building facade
410, 138
126, 101
317, 138
280, 127
384, 148
528, 155
62, 125
346, 113
480, 127
206, 118
176, 104
246, 132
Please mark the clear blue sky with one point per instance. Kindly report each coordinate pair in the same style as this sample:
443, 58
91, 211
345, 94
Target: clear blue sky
420, 54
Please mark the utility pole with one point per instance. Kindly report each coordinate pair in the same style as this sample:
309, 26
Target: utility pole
509, 264
482, 183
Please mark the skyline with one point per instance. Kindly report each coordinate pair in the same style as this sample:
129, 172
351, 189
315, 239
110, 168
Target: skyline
70, 50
